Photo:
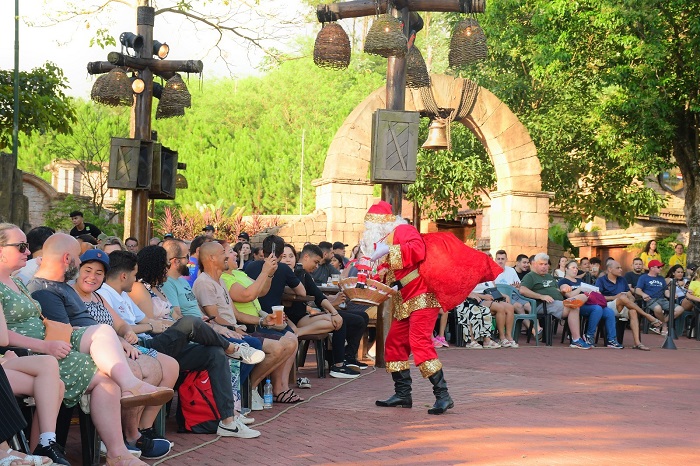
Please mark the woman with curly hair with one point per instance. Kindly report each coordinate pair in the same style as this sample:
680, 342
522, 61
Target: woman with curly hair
151, 274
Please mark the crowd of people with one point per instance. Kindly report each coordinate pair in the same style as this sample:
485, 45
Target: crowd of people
138, 317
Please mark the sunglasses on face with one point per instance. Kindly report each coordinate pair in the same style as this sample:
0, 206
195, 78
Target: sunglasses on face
21, 246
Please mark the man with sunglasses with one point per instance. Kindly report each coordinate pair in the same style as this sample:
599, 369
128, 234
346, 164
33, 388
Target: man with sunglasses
176, 288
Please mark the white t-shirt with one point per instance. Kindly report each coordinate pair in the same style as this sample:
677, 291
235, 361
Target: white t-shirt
509, 276
122, 303
27, 272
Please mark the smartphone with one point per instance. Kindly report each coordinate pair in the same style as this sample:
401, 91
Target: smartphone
209, 319
273, 250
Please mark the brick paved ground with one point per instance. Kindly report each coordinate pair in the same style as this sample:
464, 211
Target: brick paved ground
527, 406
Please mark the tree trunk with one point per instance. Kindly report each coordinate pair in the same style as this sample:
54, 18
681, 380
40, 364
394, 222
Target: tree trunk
686, 152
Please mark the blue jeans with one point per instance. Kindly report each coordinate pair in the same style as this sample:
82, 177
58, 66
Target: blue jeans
594, 314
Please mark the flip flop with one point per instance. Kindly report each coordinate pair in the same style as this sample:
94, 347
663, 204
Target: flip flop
138, 398
288, 396
641, 347
36, 460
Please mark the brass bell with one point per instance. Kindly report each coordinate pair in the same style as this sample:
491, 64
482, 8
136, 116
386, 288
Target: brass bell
437, 137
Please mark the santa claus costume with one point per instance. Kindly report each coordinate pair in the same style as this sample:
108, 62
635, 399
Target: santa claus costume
424, 287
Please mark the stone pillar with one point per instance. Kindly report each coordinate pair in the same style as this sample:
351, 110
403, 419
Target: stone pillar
519, 222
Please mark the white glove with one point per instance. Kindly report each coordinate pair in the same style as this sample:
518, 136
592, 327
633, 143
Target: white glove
380, 250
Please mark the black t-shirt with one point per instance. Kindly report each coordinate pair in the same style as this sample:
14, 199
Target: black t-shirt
284, 276
298, 309
521, 274
632, 278
60, 302
90, 229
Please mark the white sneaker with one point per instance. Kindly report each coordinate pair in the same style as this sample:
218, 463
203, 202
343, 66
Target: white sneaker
247, 354
256, 401
236, 429
246, 420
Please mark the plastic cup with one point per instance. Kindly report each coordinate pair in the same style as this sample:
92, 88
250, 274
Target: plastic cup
335, 279
278, 315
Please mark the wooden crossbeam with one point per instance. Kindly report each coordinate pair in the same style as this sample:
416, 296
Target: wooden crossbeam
155, 65
357, 8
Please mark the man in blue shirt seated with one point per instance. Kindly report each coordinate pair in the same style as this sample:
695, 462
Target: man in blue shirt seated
614, 287
652, 288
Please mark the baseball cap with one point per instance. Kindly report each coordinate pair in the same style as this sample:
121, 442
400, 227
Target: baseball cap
244, 235
208, 228
95, 255
692, 266
655, 263
168, 235
339, 245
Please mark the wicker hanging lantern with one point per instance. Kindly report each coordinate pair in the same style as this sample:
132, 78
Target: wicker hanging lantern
468, 44
386, 38
332, 47
416, 71
113, 88
174, 99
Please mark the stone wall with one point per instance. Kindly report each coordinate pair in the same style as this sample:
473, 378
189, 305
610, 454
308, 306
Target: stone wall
14, 205
40, 195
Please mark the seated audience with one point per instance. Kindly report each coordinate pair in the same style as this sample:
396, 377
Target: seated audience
510, 277
637, 271
132, 244
503, 311
540, 284
325, 269
679, 257
570, 286
36, 239
244, 253
654, 291
522, 266
193, 264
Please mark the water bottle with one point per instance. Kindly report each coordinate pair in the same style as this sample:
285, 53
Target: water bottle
267, 395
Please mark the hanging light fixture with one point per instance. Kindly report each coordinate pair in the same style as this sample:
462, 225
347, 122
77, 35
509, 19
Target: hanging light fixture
386, 38
174, 98
468, 44
416, 70
161, 50
332, 47
131, 41
113, 88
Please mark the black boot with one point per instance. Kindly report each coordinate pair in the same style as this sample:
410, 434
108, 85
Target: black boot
402, 387
443, 401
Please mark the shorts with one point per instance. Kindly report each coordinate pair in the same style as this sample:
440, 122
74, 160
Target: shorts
663, 302
624, 314
555, 309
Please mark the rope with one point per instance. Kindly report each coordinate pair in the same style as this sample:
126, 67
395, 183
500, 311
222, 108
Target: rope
467, 100
295, 405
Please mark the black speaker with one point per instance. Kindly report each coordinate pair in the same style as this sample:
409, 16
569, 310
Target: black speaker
164, 173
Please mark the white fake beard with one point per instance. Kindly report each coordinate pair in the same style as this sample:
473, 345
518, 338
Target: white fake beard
375, 233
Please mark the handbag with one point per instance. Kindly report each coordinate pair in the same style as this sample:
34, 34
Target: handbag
57, 331
495, 294
597, 299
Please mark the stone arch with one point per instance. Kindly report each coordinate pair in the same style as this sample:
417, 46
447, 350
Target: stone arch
40, 194
519, 211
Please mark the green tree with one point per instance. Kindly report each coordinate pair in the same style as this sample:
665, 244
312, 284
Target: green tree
43, 104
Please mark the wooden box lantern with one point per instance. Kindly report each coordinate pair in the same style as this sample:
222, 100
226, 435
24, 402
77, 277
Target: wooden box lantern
394, 146
130, 164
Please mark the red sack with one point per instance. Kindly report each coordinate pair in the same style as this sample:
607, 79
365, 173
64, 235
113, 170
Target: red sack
196, 408
597, 299
452, 269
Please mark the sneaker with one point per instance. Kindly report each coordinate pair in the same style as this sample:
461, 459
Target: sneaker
247, 354
246, 420
132, 449
53, 450
151, 433
343, 372
245, 411
580, 344
236, 429
355, 364
615, 344
152, 448
303, 382
436, 343
590, 340
256, 401
443, 342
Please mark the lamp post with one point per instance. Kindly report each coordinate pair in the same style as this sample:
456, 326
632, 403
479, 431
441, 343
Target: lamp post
15, 110
136, 215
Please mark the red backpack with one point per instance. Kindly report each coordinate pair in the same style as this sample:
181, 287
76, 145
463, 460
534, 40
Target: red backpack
196, 408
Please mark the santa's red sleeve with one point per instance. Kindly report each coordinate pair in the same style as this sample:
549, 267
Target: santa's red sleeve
407, 249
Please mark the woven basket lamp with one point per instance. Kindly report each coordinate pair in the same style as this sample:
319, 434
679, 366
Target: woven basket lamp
416, 71
468, 44
113, 88
174, 99
332, 47
385, 37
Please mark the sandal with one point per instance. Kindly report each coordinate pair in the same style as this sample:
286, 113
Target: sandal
288, 396
138, 398
506, 343
473, 345
641, 347
491, 345
656, 330
34, 460
129, 460
10, 458
657, 323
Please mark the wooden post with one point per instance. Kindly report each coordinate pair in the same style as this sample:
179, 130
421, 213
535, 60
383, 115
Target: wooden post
391, 192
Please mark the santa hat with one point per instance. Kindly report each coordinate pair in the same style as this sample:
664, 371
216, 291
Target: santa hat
381, 212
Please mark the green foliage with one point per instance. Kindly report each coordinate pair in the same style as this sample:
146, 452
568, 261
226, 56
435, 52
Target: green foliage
43, 105
559, 235
664, 246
